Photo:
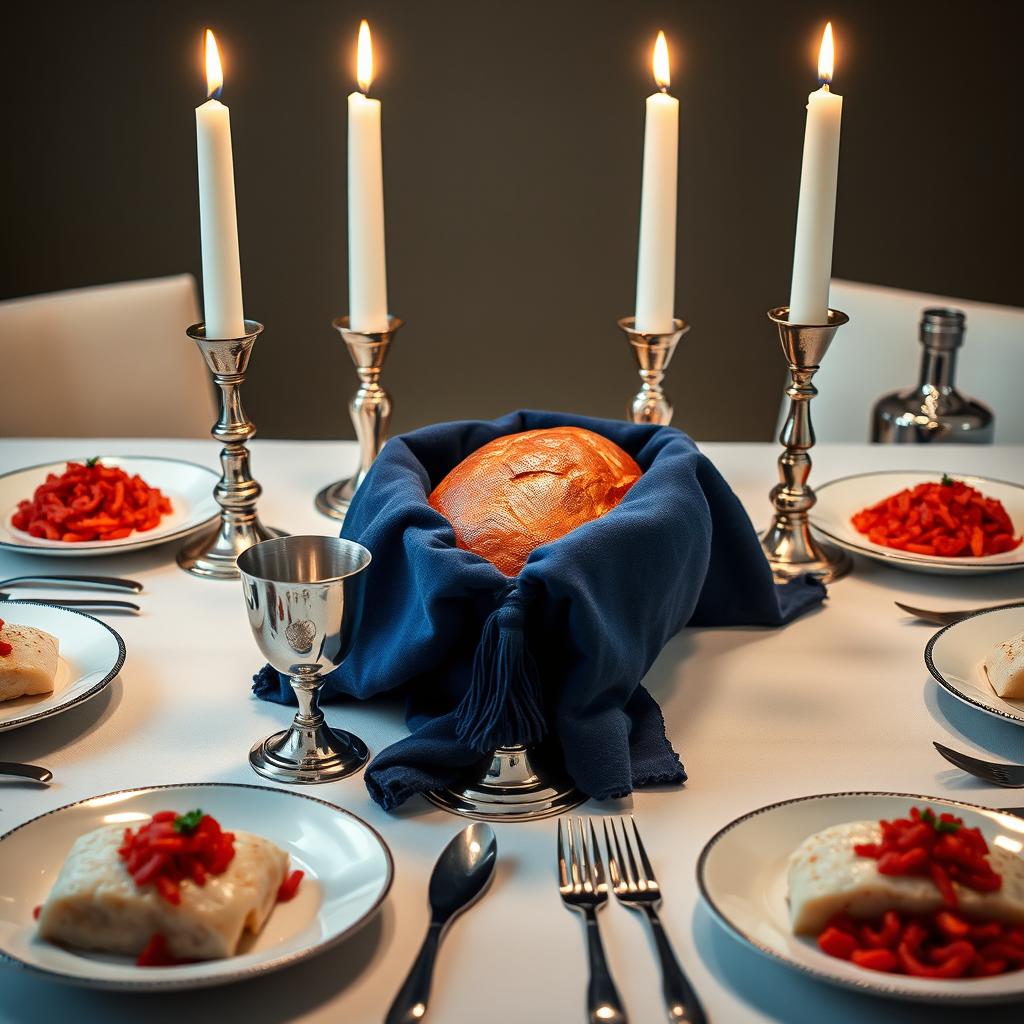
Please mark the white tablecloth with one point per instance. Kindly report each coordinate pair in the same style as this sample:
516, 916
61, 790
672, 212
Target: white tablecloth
839, 700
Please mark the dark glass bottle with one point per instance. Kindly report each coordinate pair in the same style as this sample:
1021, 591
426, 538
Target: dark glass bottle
934, 411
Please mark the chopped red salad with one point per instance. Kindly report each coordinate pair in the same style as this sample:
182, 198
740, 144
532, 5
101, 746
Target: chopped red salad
942, 944
948, 519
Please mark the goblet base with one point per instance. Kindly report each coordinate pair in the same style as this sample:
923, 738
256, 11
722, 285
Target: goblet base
515, 784
335, 498
303, 756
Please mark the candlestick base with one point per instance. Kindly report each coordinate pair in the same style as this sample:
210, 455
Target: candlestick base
790, 547
513, 784
653, 353
214, 552
370, 409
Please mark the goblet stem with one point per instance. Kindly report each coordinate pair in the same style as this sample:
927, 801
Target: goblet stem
307, 693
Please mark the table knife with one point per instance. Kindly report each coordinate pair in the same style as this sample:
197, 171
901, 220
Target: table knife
25, 771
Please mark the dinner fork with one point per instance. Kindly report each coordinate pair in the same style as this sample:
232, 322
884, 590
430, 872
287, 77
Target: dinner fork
637, 888
583, 887
1009, 775
938, 618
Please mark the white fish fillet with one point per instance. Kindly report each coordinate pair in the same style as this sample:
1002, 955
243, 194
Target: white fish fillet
95, 904
826, 877
1004, 667
31, 666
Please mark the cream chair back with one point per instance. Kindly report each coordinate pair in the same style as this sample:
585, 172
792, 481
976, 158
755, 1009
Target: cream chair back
111, 361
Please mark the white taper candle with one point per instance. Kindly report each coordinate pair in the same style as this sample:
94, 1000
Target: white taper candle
816, 214
367, 268
222, 274
656, 259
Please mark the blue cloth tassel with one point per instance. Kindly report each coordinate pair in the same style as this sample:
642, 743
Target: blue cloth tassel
502, 706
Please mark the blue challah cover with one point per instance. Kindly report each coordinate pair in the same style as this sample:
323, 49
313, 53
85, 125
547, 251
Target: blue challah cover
487, 660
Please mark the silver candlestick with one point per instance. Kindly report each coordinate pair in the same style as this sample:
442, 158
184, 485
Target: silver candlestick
653, 354
370, 409
517, 783
789, 545
213, 552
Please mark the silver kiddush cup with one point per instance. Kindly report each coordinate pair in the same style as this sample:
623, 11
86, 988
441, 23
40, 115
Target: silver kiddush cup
304, 596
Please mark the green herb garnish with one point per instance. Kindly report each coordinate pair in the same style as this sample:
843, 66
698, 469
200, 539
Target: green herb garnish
928, 816
947, 480
946, 826
93, 461
186, 824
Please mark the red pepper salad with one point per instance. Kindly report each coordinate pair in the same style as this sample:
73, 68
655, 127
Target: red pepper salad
948, 519
90, 501
172, 848
942, 944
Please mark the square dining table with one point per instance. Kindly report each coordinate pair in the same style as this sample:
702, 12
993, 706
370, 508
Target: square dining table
839, 700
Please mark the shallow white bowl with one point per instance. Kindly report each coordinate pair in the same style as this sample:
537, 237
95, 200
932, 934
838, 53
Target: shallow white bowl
955, 656
742, 877
91, 654
189, 486
840, 499
348, 872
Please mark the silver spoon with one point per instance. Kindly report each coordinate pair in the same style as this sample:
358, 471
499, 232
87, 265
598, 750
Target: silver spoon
460, 877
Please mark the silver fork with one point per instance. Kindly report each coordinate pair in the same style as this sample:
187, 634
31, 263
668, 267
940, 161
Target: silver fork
583, 887
637, 888
945, 618
1009, 775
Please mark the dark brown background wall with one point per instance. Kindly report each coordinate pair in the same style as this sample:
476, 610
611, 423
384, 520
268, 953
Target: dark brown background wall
512, 150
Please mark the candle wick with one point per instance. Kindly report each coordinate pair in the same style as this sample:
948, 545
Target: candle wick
664, 89
823, 82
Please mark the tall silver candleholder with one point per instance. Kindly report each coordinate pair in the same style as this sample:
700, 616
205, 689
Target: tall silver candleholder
517, 783
370, 409
213, 552
791, 548
653, 353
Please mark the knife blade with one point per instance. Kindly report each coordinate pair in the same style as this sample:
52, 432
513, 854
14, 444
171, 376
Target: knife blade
26, 771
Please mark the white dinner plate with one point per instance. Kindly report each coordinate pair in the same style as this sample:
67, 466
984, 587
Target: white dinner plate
189, 487
348, 871
840, 499
955, 656
90, 655
742, 877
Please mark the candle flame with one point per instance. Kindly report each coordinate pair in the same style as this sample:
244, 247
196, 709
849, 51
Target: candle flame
214, 72
660, 63
364, 57
826, 56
